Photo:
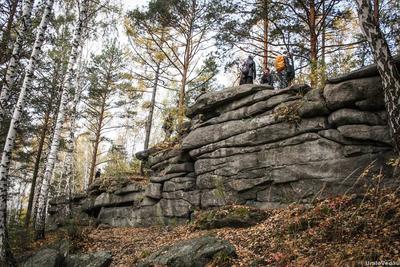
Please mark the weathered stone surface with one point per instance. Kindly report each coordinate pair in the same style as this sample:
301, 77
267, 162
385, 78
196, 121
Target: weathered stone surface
346, 93
109, 199
365, 132
335, 135
148, 202
179, 183
252, 110
246, 184
214, 133
130, 188
195, 252
165, 155
214, 99
163, 178
230, 151
131, 216
350, 151
176, 168
313, 105
218, 197
310, 109
288, 194
153, 191
297, 89
45, 258
348, 116
96, 259
176, 208
371, 104
193, 197
320, 149
231, 216
263, 135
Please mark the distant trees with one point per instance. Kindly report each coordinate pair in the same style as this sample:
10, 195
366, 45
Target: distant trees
387, 69
192, 26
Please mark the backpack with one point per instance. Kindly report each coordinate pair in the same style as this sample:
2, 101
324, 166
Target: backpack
245, 69
280, 63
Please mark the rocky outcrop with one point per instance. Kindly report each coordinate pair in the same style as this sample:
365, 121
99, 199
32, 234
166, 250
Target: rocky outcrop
255, 146
195, 252
54, 257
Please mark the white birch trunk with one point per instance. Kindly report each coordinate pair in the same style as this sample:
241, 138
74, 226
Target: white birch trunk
70, 142
387, 69
22, 30
9, 145
43, 197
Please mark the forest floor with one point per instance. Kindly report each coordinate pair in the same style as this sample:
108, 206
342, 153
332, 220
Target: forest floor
335, 232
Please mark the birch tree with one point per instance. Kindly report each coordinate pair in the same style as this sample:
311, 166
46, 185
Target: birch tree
386, 67
22, 30
43, 196
6, 27
5, 254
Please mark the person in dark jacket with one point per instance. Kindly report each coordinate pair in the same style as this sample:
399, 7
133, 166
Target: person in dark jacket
98, 174
290, 72
267, 78
248, 71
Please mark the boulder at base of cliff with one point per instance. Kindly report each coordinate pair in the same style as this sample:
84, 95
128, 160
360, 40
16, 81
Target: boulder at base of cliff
195, 252
96, 259
230, 216
59, 256
45, 258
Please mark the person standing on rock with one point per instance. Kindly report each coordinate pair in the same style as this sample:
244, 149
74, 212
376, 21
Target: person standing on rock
267, 78
98, 174
280, 67
285, 69
168, 125
248, 71
290, 72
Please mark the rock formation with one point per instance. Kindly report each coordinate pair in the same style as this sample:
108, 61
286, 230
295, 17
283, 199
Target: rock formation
260, 147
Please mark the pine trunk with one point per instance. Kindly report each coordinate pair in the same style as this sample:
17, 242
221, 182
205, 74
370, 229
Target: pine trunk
5, 254
266, 26
36, 167
151, 111
43, 196
387, 69
182, 92
93, 163
313, 44
23, 28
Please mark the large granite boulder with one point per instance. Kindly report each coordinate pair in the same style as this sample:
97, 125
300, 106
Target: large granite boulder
96, 259
197, 252
45, 258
